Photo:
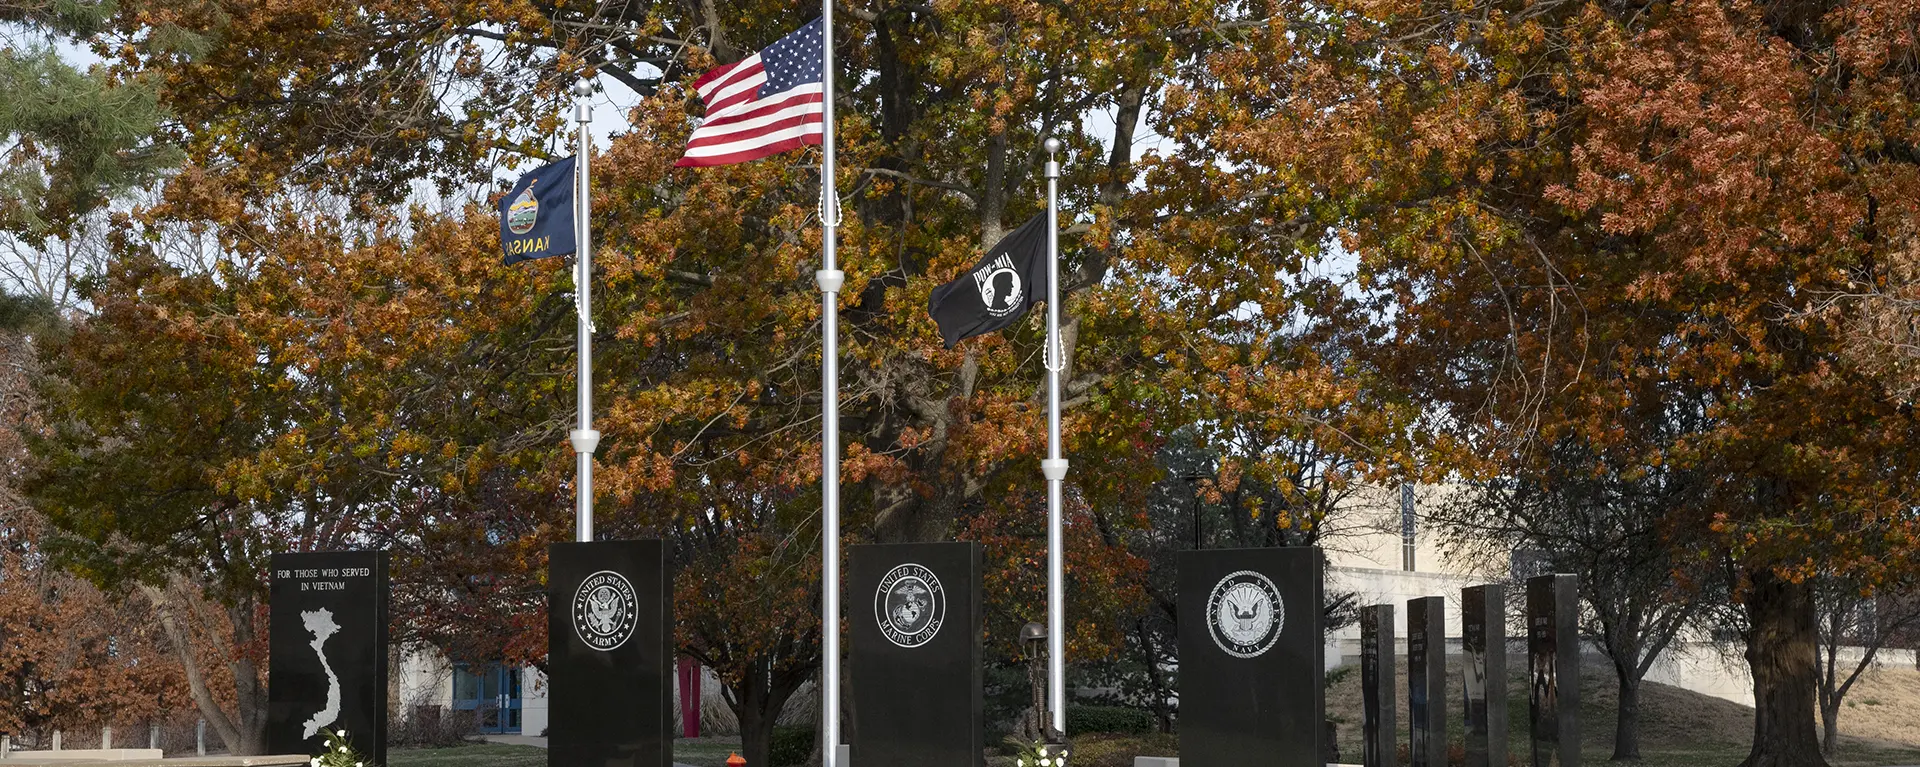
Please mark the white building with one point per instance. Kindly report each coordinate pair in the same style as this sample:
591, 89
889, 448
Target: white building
505, 700
1371, 557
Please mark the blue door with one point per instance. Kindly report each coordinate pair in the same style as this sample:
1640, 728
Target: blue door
492, 693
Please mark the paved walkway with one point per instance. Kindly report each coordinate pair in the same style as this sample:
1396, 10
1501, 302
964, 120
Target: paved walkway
71, 759
516, 740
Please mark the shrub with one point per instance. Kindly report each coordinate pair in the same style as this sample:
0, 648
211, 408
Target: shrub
791, 746
432, 727
716, 718
1089, 719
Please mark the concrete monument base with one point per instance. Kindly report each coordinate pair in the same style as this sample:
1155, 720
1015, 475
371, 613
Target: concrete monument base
142, 757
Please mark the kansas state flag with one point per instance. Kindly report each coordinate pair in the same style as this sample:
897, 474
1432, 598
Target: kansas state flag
536, 215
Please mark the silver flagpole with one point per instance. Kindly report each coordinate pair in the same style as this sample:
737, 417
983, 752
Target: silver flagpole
1055, 467
829, 278
584, 438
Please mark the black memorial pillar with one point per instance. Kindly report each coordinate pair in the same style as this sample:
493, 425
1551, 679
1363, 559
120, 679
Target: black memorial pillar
1252, 657
1553, 669
914, 629
1379, 688
1483, 674
609, 654
327, 648
1427, 681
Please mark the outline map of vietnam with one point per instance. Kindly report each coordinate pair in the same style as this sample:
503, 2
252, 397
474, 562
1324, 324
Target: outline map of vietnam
320, 624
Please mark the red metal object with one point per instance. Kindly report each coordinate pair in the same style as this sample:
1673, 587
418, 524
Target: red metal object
736, 761
689, 698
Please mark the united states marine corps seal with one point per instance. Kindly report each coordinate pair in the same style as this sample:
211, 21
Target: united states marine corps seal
604, 610
1245, 614
910, 605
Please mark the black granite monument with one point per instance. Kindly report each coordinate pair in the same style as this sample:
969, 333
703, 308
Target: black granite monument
1252, 670
914, 621
327, 642
1483, 674
1379, 688
1553, 669
609, 654
1427, 681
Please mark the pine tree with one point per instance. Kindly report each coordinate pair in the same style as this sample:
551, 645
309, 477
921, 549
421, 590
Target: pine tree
73, 139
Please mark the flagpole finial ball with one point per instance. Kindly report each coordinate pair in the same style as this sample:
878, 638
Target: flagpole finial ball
1053, 145
583, 88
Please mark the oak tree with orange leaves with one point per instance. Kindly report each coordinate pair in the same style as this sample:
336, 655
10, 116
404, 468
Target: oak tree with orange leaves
74, 657
1490, 225
271, 398
1179, 310
1565, 211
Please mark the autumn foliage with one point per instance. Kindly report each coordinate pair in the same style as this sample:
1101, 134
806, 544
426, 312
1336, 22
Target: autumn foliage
1585, 222
1326, 244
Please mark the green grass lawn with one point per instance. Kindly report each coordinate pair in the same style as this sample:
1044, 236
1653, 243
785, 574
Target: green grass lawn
1108, 751
474, 755
699, 752
1678, 728
1721, 756
705, 752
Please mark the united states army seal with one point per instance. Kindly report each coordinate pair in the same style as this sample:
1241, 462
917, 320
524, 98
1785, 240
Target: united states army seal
910, 605
604, 610
1245, 614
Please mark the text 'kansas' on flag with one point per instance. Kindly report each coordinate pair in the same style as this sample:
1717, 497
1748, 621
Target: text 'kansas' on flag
767, 104
536, 215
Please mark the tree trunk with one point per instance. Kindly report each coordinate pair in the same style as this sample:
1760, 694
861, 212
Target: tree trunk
1830, 729
1780, 652
1156, 679
182, 642
758, 706
244, 733
1626, 728
250, 695
756, 733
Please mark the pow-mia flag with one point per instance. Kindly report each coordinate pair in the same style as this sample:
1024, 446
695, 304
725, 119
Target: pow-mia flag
536, 215
998, 290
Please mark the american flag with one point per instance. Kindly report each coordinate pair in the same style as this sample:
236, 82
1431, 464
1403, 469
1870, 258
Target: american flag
765, 105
